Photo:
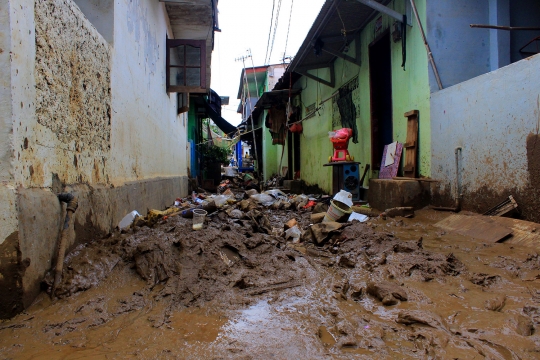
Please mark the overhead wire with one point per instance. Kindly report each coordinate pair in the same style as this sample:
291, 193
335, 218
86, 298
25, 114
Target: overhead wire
275, 31
269, 32
288, 30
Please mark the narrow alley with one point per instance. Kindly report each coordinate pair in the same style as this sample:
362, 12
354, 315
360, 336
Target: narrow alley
369, 189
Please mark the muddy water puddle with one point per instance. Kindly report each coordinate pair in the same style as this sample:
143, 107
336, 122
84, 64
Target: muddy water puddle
229, 296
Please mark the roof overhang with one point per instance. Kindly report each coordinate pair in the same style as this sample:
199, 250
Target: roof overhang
194, 20
255, 77
275, 97
326, 40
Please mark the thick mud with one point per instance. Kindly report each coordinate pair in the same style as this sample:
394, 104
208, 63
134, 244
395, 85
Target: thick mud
385, 289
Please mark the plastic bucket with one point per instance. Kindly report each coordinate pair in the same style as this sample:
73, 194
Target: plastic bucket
198, 218
336, 211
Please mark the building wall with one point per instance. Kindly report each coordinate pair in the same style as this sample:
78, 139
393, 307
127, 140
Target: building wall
148, 139
80, 115
410, 91
495, 119
460, 52
523, 13
101, 15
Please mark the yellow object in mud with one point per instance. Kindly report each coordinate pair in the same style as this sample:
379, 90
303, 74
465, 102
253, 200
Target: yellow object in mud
154, 215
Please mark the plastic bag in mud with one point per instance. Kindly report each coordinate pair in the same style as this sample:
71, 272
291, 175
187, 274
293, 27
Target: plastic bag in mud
263, 199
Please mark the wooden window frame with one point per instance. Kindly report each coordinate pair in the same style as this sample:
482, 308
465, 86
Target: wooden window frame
201, 44
182, 105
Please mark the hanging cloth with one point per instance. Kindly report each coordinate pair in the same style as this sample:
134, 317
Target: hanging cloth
347, 110
276, 122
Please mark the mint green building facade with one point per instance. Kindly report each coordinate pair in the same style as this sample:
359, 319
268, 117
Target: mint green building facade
409, 91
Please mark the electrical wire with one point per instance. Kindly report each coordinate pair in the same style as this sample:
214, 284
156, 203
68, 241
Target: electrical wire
269, 32
288, 30
275, 31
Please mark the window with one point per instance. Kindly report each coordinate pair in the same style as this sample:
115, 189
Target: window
186, 66
183, 102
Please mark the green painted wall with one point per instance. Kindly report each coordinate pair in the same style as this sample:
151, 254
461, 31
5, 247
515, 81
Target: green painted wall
410, 90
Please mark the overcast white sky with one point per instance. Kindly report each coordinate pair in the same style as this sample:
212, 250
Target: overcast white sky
245, 24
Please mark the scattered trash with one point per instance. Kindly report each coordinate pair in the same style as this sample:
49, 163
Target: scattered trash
358, 217
317, 218
300, 201
311, 203
223, 186
321, 232
337, 211
345, 197
320, 208
263, 199
291, 223
128, 220
198, 218
295, 233
406, 212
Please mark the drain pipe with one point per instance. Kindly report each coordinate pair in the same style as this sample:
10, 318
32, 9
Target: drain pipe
458, 194
72, 204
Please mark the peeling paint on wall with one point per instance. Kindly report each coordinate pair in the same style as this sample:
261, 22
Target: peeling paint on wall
72, 78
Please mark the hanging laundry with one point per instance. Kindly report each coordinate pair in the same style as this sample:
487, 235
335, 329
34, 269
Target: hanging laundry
276, 121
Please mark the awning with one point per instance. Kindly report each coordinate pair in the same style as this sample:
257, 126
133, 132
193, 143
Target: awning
220, 122
275, 97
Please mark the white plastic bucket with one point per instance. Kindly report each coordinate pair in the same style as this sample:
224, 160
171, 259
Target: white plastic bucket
336, 211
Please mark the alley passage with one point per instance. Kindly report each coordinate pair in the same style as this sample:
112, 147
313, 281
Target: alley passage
386, 289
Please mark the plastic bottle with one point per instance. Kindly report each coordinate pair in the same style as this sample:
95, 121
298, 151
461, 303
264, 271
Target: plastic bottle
128, 220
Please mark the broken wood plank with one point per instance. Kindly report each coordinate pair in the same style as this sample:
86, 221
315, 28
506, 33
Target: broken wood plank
479, 227
525, 233
416, 179
410, 168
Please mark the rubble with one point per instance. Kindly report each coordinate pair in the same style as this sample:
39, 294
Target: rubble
251, 253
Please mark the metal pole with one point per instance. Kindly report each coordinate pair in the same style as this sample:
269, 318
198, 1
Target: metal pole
428, 49
509, 28
381, 8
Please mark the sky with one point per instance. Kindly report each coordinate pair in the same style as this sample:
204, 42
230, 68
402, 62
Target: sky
245, 24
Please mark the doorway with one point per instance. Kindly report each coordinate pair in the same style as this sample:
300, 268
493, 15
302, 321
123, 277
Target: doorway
380, 75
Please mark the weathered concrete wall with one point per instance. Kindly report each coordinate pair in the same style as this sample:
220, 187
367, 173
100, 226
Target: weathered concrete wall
148, 138
495, 118
100, 210
71, 136
59, 127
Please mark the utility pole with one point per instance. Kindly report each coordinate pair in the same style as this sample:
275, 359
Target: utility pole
246, 88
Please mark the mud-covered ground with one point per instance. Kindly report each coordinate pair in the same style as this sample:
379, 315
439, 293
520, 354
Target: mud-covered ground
386, 289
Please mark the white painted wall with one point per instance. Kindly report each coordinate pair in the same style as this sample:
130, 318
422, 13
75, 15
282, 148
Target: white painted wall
6, 122
490, 117
148, 139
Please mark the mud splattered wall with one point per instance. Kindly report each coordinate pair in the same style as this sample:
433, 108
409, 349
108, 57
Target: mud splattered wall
495, 118
73, 100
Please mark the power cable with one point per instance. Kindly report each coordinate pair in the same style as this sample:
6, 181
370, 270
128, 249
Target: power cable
275, 31
288, 29
269, 32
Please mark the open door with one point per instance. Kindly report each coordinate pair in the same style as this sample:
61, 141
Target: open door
380, 75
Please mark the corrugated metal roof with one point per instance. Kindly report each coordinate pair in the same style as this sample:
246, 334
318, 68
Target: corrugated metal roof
335, 15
